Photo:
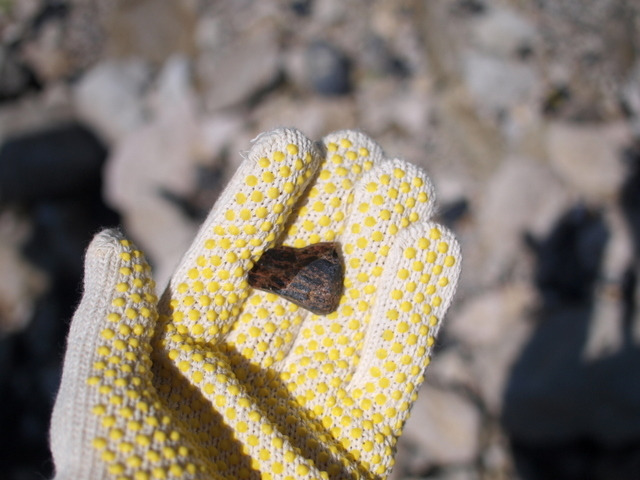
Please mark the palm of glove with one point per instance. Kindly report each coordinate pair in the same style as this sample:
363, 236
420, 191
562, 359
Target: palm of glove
219, 380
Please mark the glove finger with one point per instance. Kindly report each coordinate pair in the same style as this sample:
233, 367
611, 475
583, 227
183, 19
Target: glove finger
210, 285
321, 215
108, 344
417, 287
269, 324
386, 201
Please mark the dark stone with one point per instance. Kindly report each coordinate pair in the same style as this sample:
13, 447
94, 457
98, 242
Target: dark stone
301, 7
380, 58
310, 277
32, 358
453, 212
469, 7
555, 100
54, 177
57, 163
329, 69
16, 79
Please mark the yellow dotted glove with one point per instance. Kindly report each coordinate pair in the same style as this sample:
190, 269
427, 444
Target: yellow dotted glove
217, 380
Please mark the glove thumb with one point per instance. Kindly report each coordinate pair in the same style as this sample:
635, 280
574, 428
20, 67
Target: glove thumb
112, 325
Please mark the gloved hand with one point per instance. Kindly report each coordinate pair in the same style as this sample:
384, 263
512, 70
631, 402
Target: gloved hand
217, 380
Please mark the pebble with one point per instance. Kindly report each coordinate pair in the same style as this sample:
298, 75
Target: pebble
328, 69
108, 97
443, 429
235, 73
512, 204
504, 33
61, 161
573, 146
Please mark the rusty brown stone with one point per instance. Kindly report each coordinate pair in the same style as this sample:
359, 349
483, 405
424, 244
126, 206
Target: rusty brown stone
311, 277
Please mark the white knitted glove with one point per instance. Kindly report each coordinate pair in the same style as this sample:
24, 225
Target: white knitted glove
217, 380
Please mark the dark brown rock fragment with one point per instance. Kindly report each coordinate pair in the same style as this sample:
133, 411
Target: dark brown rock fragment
311, 277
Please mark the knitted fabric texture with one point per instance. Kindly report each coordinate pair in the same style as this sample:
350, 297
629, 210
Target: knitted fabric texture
220, 381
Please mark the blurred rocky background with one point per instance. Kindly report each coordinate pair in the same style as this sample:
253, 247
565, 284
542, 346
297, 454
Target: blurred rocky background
526, 114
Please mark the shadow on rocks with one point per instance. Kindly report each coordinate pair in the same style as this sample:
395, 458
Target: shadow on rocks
570, 415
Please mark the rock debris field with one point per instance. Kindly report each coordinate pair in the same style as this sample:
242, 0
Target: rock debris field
525, 114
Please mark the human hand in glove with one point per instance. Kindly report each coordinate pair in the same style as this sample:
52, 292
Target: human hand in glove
219, 380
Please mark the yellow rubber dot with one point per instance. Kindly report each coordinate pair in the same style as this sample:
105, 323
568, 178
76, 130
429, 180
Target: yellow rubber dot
251, 181
398, 172
116, 469
257, 196
285, 171
108, 333
99, 443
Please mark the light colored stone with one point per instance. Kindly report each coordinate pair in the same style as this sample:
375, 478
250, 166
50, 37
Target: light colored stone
219, 133
25, 10
384, 106
330, 12
503, 32
314, 116
231, 75
492, 365
109, 97
150, 30
158, 157
443, 429
492, 327
496, 84
449, 367
631, 95
487, 319
588, 156
522, 196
